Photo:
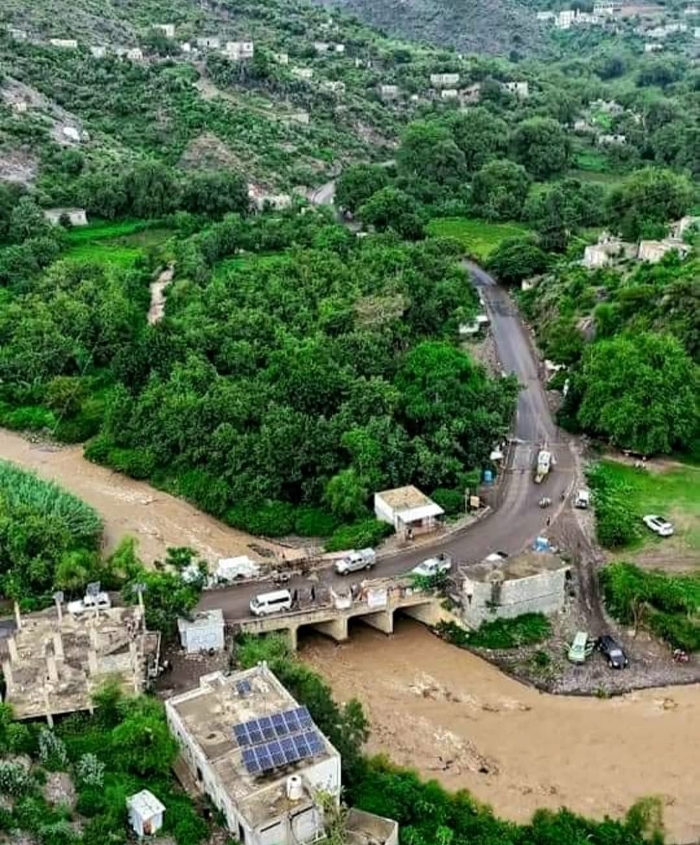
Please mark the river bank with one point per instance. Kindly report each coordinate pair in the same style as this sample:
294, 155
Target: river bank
457, 719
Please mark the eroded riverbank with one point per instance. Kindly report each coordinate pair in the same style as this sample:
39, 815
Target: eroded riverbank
457, 719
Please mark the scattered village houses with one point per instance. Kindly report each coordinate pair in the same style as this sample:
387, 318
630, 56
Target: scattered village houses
388, 92
238, 51
449, 94
64, 43
168, 29
612, 140
281, 58
74, 216
444, 80
408, 510
209, 42
653, 251
334, 87
607, 8
257, 755
519, 89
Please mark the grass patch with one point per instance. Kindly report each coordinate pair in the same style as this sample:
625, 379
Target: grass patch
673, 494
119, 243
479, 237
528, 629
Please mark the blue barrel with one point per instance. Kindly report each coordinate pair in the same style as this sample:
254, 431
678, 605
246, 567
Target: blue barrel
488, 476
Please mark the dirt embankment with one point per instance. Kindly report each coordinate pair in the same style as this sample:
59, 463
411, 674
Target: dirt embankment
457, 719
128, 507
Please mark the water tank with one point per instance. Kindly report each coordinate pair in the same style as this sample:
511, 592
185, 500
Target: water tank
295, 788
488, 476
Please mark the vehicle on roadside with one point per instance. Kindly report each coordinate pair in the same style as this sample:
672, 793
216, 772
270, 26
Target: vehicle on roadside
100, 601
612, 651
433, 566
580, 648
658, 525
544, 464
355, 561
274, 602
583, 500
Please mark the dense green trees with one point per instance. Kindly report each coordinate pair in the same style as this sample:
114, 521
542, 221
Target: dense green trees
516, 259
648, 197
392, 208
640, 392
357, 183
499, 190
542, 146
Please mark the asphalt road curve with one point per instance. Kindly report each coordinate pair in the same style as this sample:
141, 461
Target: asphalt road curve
518, 519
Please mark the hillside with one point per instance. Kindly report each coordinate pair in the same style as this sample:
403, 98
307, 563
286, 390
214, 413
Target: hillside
495, 27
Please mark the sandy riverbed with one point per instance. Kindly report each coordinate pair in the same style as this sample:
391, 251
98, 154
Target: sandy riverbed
458, 719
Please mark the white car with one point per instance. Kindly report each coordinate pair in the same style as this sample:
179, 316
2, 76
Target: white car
658, 525
432, 566
101, 601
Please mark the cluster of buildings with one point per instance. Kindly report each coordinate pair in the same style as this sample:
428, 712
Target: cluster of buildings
603, 11
610, 249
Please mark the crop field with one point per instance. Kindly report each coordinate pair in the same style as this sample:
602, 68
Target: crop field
119, 244
479, 237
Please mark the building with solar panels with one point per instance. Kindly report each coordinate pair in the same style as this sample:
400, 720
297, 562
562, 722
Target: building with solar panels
257, 755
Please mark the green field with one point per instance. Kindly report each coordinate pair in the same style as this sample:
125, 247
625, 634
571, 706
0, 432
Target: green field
479, 237
674, 493
118, 244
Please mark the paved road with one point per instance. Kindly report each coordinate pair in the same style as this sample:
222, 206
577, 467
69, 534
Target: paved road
518, 519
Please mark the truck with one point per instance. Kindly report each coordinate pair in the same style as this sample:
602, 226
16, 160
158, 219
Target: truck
544, 464
354, 561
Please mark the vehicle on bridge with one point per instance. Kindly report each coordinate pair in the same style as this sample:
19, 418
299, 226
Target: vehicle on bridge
267, 603
355, 561
433, 566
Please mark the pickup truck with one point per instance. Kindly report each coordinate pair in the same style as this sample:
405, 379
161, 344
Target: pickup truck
355, 561
101, 601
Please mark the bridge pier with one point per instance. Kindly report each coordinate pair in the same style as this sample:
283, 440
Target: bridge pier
292, 634
382, 620
336, 629
429, 614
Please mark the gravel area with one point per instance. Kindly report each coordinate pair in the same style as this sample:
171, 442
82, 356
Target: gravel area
59, 789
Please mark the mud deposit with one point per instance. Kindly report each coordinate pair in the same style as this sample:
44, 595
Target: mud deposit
457, 719
130, 507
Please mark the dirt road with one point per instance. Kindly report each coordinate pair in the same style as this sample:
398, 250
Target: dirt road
157, 309
457, 719
131, 507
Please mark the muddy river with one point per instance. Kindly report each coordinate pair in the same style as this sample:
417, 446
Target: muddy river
457, 719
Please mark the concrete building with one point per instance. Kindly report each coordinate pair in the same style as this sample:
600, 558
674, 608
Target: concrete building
607, 8
408, 510
76, 216
363, 828
685, 224
134, 54
20, 106
64, 43
55, 661
168, 29
238, 51
607, 107
278, 202
98, 52
471, 94
449, 94
205, 631
17, 34
388, 92
545, 16
209, 42
497, 588
339, 49
444, 80
281, 58
321, 46
145, 813
333, 87
653, 47
653, 251
257, 755
519, 89
612, 140
305, 73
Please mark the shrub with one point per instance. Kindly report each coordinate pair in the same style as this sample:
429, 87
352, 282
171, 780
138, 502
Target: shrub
268, 519
359, 535
91, 802
205, 490
451, 501
14, 779
90, 770
314, 522
30, 418
616, 523
528, 629
52, 751
138, 463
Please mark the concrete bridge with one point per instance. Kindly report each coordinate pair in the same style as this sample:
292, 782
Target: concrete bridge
332, 620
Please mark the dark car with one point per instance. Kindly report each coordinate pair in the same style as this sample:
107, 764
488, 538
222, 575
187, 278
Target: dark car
612, 650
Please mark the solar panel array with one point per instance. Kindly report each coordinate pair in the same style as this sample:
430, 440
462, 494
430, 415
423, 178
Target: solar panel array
273, 741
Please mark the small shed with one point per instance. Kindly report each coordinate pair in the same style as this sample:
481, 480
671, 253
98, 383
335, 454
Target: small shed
204, 631
408, 510
75, 216
145, 813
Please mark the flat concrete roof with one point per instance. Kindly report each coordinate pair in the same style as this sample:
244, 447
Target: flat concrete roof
406, 498
524, 565
201, 619
209, 713
43, 640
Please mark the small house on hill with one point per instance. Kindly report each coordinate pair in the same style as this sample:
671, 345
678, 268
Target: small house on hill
145, 813
408, 510
75, 216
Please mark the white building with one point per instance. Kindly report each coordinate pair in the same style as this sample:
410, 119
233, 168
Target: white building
444, 80
388, 92
685, 224
281, 58
76, 216
449, 94
65, 43
653, 251
612, 140
168, 29
532, 582
133, 54
305, 73
519, 89
545, 16
17, 34
257, 755
334, 87
339, 48
321, 46
607, 8
98, 52
408, 510
653, 47
145, 813
205, 631
237, 51
208, 42
471, 95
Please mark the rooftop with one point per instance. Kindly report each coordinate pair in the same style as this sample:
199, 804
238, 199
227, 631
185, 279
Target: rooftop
54, 666
202, 619
145, 804
406, 498
524, 565
209, 714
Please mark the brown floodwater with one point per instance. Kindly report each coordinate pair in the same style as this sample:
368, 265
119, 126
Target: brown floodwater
458, 719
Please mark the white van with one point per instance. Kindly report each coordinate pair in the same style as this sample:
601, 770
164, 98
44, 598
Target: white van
267, 603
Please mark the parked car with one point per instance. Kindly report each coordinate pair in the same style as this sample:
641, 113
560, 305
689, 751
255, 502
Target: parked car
432, 566
101, 601
583, 500
658, 525
610, 649
364, 559
580, 648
